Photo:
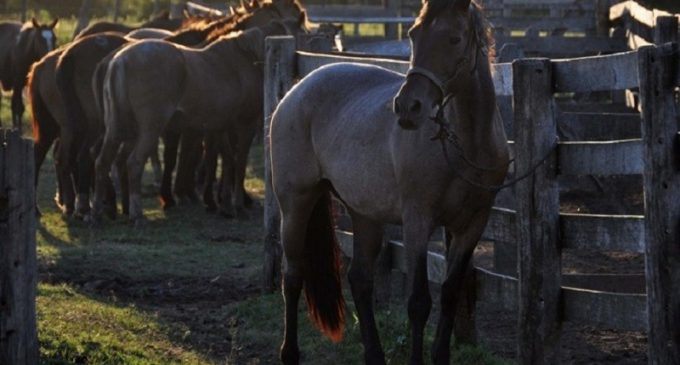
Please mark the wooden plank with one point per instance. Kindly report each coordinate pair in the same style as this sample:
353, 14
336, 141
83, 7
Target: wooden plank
626, 312
598, 126
600, 157
501, 226
538, 214
612, 283
362, 19
502, 78
564, 47
278, 79
602, 232
308, 62
662, 201
501, 290
610, 72
18, 257
583, 23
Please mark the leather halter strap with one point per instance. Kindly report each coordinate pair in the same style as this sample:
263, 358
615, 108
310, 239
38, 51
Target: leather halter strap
441, 84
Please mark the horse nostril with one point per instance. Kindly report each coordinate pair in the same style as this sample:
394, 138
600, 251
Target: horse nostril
415, 107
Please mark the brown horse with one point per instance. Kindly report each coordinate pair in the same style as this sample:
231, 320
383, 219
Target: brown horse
20, 46
216, 88
161, 21
335, 132
50, 122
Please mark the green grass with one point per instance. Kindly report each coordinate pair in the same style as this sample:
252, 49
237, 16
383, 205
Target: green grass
76, 329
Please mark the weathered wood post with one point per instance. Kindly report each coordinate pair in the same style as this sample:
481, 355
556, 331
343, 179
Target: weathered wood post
83, 17
602, 18
666, 29
278, 79
18, 262
116, 10
537, 214
658, 75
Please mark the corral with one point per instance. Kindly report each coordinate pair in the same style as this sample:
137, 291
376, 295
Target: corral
615, 115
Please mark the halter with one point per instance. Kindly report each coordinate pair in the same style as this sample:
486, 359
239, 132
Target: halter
445, 134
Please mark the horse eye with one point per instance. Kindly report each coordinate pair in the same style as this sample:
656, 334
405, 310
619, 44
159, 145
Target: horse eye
454, 40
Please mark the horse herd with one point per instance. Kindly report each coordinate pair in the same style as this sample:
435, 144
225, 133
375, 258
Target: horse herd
195, 81
374, 138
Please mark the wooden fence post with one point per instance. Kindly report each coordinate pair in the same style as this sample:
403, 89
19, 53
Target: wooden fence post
18, 262
538, 214
666, 29
278, 79
658, 70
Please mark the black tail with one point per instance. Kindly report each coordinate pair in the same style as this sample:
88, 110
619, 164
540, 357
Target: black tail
322, 285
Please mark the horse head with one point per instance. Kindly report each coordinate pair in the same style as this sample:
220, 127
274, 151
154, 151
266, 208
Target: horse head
38, 39
445, 50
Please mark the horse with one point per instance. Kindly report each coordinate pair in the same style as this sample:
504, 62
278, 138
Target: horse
258, 13
50, 122
152, 82
20, 46
161, 21
366, 134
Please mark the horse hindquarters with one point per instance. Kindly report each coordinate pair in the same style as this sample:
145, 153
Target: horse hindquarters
313, 262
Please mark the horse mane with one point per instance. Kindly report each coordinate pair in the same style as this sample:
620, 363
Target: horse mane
481, 26
249, 11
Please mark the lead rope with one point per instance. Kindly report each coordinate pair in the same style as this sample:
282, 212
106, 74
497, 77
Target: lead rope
444, 134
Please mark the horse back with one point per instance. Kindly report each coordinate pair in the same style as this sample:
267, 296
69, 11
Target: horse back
337, 124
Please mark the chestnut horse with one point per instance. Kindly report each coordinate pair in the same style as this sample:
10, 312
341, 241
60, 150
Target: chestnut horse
335, 132
20, 46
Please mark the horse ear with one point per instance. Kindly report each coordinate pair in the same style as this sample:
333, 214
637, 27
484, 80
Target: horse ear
54, 23
35, 23
463, 5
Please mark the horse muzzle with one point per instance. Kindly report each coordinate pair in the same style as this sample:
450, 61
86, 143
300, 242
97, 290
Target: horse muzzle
409, 110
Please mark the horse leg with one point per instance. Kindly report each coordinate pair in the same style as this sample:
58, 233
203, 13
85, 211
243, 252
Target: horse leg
121, 166
85, 171
458, 254
171, 139
17, 105
135, 168
41, 146
156, 165
210, 168
244, 139
295, 212
226, 144
417, 231
189, 154
367, 243
103, 183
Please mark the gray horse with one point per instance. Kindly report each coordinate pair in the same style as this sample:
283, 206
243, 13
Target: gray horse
342, 130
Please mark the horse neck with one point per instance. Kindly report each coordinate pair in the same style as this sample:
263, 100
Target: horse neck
477, 121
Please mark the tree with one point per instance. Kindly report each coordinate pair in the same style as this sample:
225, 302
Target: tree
83, 16
116, 10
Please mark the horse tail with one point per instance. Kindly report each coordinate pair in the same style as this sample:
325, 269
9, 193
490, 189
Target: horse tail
43, 122
321, 270
98, 80
113, 96
65, 77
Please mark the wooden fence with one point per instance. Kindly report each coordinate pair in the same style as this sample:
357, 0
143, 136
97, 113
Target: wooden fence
549, 28
542, 296
18, 262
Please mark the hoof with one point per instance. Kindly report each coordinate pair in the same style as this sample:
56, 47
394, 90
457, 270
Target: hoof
139, 222
228, 214
248, 200
167, 203
93, 220
289, 357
